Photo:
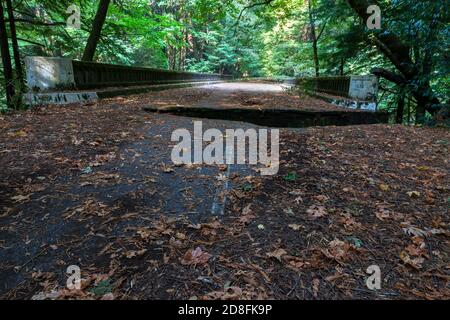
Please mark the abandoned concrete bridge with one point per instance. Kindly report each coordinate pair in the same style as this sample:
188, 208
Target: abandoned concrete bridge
347, 100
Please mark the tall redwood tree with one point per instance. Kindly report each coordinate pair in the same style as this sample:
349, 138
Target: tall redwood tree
6, 59
15, 44
97, 26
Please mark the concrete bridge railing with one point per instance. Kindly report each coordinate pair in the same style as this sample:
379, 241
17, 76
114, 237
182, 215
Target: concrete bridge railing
364, 88
50, 74
95, 75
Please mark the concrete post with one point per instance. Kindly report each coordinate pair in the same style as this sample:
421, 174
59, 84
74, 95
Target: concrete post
47, 73
364, 88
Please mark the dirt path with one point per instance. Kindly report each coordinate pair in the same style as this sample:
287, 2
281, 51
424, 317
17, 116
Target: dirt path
132, 173
237, 95
94, 186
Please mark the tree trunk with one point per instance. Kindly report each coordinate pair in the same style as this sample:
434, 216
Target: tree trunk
312, 25
316, 58
6, 59
15, 46
97, 27
341, 69
420, 111
400, 106
171, 57
409, 111
399, 54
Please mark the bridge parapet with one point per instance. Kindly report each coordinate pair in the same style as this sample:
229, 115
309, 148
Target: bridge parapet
90, 75
50, 74
64, 81
361, 88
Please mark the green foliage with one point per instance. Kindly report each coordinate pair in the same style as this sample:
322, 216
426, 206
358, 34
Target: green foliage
291, 177
102, 288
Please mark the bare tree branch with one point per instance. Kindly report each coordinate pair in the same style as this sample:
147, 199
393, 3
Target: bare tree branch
390, 75
253, 5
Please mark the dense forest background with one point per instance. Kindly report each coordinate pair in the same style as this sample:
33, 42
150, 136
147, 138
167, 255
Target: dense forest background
259, 38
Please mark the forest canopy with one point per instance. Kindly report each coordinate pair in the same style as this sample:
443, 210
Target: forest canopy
247, 38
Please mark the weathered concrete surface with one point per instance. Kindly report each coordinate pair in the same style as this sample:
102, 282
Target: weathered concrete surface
364, 88
60, 98
219, 105
279, 118
347, 103
45, 73
83, 97
53, 74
